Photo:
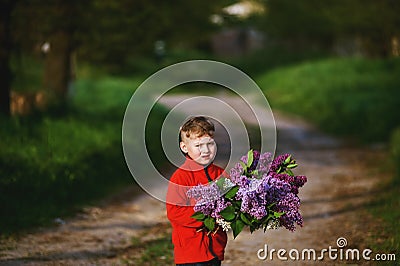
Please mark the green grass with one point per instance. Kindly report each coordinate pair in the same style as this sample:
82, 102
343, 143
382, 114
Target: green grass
347, 97
156, 252
274, 56
386, 209
152, 247
52, 164
385, 206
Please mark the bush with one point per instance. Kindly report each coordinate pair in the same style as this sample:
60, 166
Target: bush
348, 97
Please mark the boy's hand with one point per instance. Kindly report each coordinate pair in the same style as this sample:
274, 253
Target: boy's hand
201, 229
208, 232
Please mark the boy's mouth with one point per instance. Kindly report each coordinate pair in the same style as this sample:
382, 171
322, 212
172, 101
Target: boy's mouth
205, 157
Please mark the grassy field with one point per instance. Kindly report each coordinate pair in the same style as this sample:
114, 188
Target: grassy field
349, 97
386, 207
51, 164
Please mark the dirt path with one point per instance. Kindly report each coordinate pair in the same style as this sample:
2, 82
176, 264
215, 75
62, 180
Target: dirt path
340, 184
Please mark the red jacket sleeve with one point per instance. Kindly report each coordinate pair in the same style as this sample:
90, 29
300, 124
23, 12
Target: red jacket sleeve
181, 215
179, 206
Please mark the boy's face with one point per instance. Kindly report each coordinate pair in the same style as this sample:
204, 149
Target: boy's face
201, 149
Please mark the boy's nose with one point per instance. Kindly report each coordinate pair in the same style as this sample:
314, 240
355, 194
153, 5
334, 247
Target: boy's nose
204, 149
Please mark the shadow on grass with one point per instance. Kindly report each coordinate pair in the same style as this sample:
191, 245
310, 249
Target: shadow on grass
56, 164
386, 208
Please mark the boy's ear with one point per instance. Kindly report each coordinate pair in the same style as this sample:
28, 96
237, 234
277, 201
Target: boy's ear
183, 147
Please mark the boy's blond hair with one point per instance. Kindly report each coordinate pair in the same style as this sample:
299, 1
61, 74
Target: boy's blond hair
197, 126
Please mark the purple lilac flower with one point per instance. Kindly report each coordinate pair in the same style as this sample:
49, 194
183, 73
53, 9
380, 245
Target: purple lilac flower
283, 190
300, 180
287, 179
294, 181
220, 205
237, 176
206, 207
205, 196
264, 187
236, 171
290, 205
253, 197
277, 188
254, 205
209, 192
264, 162
261, 161
208, 198
278, 161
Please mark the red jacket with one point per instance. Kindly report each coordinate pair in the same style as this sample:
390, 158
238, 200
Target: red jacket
191, 246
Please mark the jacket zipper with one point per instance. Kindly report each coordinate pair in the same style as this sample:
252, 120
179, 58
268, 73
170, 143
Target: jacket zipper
207, 175
210, 245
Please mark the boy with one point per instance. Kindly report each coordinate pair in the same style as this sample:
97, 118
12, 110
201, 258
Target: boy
193, 244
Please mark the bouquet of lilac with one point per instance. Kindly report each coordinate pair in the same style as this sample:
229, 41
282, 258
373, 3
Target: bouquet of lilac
260, 193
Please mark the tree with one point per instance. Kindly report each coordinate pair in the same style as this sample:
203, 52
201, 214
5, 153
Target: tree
55, 23
121, 30
105, 32
6, 8
375, 23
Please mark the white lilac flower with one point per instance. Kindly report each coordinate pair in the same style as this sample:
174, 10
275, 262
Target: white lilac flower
226, 226
228, 184
273, 224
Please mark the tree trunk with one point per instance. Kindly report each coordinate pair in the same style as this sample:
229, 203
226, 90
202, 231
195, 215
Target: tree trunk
57, 72
6, 8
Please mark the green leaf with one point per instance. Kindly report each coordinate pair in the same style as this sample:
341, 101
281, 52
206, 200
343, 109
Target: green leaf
255, 172
245, 219
289, 172
232, 192
250, 158
199, 216
265, 227
244, 166
279, 170
209, 222
228, 213
266, 218
220, 182
237, 227
287, 161
293, 165
237, 203
252, 229
278, 214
